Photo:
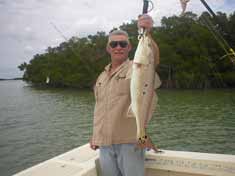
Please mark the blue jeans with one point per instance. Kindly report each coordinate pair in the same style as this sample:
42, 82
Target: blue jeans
122, 160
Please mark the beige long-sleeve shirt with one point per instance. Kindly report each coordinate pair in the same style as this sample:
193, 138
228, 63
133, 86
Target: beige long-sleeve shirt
112, 124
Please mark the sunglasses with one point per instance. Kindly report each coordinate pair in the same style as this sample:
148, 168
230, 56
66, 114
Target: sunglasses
122, 44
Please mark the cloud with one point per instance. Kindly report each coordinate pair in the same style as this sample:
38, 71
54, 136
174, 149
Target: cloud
28, 29
26, 25
28, 48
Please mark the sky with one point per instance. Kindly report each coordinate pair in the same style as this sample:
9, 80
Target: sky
26, 26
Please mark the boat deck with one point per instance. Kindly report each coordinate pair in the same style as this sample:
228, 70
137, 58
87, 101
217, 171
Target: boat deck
83, 161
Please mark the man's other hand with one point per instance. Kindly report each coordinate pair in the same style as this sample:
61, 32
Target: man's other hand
92, 146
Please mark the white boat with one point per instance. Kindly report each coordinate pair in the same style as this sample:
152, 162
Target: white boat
47, 80
83, 161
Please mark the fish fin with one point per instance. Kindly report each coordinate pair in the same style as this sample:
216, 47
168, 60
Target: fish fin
152, 146
150, 110
130, 113
147, 144
157, 83
140, 61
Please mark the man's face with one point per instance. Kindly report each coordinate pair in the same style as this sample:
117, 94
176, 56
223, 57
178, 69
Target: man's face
118, 47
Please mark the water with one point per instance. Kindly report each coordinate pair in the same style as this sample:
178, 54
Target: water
37, 124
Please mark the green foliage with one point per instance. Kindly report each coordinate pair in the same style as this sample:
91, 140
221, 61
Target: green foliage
190, 55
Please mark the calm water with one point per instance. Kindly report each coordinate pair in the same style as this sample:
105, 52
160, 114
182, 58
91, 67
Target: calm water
37, 124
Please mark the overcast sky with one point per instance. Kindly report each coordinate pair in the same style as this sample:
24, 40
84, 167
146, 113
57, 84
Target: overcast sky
26, 25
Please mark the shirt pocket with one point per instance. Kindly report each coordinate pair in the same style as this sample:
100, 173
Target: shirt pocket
121, 85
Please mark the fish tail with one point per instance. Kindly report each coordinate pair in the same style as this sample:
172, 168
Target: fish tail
142, 137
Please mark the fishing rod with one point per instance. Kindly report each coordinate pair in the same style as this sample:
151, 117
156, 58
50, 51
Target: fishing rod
145, 11
220, 39
209, 9
145, 6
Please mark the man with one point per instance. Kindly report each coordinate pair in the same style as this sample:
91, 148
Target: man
114, 130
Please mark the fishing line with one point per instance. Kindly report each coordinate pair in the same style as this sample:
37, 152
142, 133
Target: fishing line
216, 34
61, 34
90, 71
218, 79
229, 51
152, 6
223, 43
219, 38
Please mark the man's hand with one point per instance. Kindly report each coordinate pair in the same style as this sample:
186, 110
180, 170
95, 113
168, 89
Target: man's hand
93, 147
145, 21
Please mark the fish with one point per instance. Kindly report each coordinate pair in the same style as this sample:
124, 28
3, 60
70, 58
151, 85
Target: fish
144, 81
183, 5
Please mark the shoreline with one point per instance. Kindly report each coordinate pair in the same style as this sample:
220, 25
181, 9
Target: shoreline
41, 85
9, 79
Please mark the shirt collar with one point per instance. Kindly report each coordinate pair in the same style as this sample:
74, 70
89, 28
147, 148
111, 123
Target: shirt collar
108, 67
